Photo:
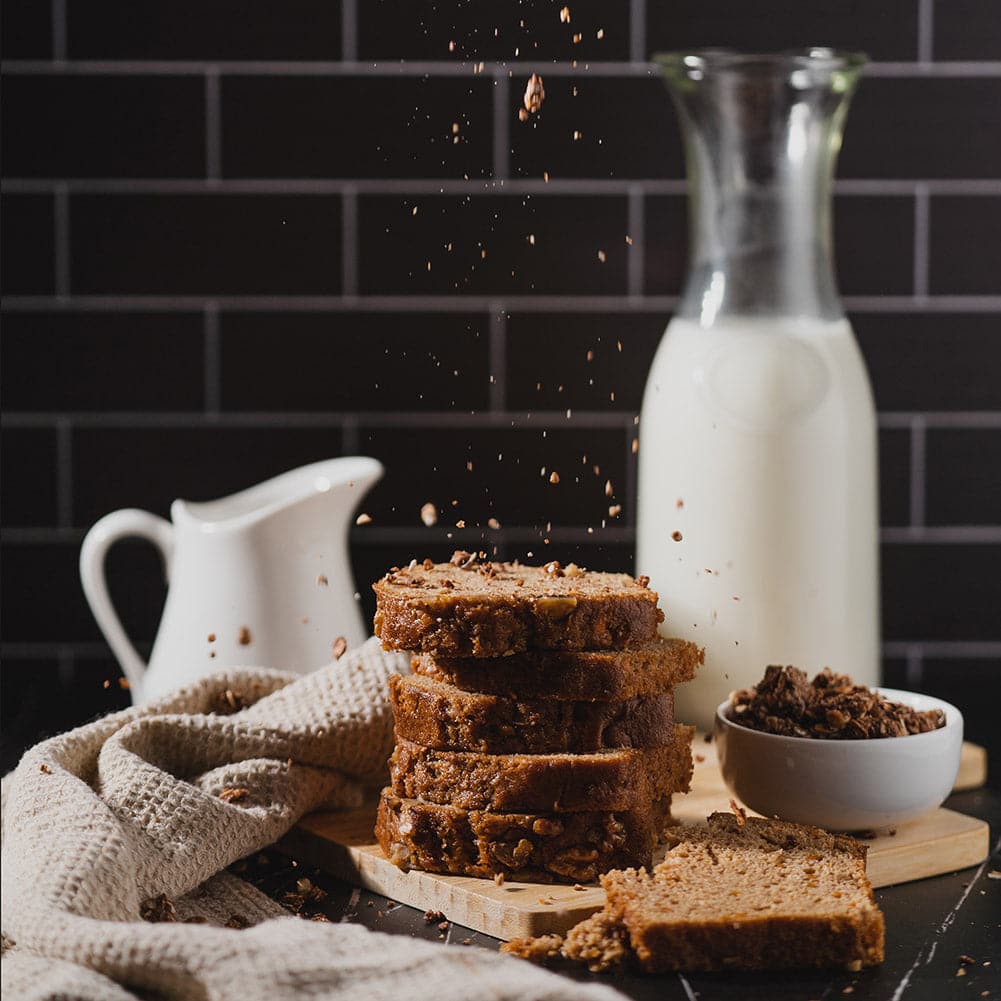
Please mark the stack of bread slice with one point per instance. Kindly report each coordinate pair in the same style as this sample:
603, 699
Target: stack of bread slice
536, 738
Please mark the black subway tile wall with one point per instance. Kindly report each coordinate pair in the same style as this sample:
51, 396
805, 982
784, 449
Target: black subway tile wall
232, 245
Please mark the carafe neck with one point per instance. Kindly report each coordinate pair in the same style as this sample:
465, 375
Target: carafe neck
761, 137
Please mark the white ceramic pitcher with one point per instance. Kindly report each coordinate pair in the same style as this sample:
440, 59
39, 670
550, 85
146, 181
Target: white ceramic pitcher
259, 578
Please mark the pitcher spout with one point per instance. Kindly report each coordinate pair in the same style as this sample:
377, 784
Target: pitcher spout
343, 482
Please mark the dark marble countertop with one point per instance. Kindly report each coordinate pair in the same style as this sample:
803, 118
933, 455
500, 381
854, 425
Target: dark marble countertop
943, 934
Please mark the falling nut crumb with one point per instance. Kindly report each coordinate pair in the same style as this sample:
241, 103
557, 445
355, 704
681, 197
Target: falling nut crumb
44, 769
602, 256
211, 637
429, 514
243, 637
609, 489
535, 93
339, 646
322, 581
522, 115
614, 510
499, 878
365, 519
554, 477
565, 15
124, 684
460, 523
676, 535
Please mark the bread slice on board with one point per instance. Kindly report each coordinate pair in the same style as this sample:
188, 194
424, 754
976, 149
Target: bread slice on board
572, 675
622, 779
469, 608
749, 894
538, 848
439, 715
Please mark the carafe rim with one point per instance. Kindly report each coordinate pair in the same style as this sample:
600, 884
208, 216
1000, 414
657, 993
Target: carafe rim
683, 62
278, 493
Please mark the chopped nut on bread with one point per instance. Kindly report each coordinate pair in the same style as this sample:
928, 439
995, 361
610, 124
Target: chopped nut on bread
476, 608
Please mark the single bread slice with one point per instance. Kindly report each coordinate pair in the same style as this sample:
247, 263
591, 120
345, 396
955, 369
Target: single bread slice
623, 779
740, 893
572, 675
538, 848
442, 716
468, 608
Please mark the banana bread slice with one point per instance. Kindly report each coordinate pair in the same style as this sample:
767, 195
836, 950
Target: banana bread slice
573, 675
750, 894
529, 847
469, 608
439, 715
621, 779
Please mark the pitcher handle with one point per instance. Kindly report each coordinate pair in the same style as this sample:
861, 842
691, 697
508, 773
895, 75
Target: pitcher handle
102, 536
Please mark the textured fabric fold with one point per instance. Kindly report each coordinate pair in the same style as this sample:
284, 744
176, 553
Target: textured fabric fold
159, 799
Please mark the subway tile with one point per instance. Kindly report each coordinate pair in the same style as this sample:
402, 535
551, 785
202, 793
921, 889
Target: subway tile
149, 467
133, 361
355, 361
103, 126
302, 126
963, 478
894, 476
885, 31
874, 245
205, 244
932, 361
28, 463
483, 244
25, 29
943, 591
973, 685
40, 577
666, 244
388, 29
27, 245
925, 128
628, 129
964, 257
548, 366
42, 699
189, 29
506, 480
966, 29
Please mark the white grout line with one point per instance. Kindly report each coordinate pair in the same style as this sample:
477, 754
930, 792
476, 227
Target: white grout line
213, 126
500, 185
942, 419
498, 357
64, 473
636, 252
918, 472
212, 358
419, 68
61, 237
922, 239
461, 303
58, 30
942, 535
637, 30
502, 109
926, 31
913, 669
350, 436
350, 250
349, 30
943, 649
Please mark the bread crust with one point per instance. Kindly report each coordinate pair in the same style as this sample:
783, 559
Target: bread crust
457, 611
571, 675
441, 716
621, 779
539, 848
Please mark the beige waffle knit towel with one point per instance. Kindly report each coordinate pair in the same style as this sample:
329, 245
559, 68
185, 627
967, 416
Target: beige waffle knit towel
105, 818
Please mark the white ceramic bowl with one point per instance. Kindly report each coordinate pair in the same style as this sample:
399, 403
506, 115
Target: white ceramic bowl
842, 785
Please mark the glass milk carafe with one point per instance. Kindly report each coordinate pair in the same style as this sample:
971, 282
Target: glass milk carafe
757, 518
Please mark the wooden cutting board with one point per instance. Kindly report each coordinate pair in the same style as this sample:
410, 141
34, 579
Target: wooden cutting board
342, 844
